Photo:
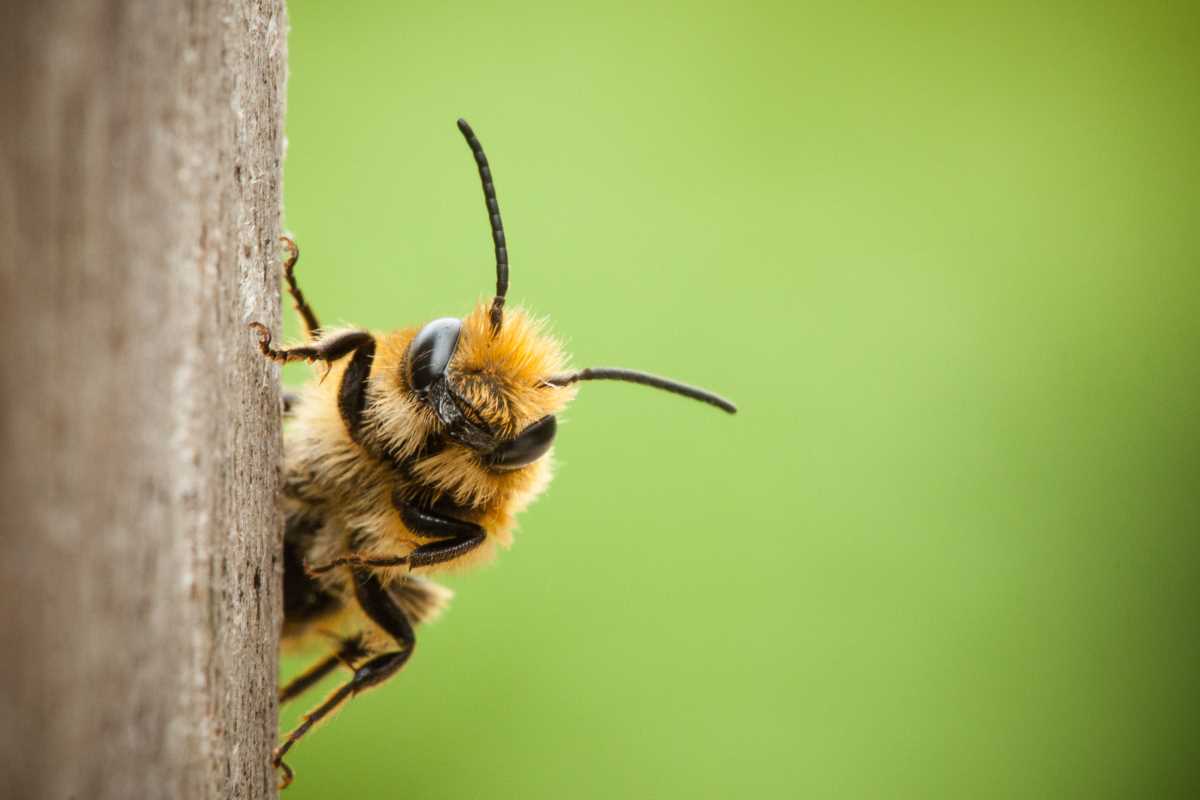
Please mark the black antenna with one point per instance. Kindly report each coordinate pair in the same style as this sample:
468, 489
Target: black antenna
630, 376
489, 195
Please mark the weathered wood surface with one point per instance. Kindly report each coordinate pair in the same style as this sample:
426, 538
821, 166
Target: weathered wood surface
140, 152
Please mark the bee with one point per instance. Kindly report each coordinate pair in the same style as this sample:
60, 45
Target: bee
411, 454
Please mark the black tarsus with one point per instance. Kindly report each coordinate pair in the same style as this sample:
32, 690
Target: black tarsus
375, 601
645, 379
305, 311
493, 206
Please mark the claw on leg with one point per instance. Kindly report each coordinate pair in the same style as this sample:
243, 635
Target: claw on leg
282, 356
293, 253
286, 776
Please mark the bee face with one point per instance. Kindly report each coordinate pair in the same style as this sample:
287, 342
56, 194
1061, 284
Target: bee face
487, 387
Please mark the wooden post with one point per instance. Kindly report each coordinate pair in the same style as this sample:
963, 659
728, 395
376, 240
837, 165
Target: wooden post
140, 152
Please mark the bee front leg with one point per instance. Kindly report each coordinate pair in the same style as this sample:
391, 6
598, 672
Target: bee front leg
457, 537
311, 325
381, 608
328, 349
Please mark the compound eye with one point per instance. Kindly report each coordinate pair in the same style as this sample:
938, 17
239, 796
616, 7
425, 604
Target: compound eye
530, 445
430, 352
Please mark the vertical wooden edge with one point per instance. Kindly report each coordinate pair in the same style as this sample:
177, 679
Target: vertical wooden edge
141, 151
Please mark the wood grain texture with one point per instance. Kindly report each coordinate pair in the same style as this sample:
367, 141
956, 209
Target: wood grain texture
140, 153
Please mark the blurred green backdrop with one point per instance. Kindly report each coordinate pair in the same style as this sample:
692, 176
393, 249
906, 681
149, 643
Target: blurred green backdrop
945, 259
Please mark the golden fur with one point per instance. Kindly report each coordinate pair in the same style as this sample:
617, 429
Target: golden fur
351, 484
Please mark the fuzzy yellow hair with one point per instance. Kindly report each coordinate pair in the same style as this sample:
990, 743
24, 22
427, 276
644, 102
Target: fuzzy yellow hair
501, 374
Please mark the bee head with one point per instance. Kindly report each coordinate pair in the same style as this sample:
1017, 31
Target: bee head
495, 381
488, 387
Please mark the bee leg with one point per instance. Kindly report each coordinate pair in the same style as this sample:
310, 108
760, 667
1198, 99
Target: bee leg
446, 550
351, 651
328, 349
460, 536
311, 326
423, 556
457, 537
352, 394
375, 601
434, 525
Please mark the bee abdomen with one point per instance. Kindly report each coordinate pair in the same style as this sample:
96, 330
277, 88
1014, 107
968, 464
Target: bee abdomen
303, 598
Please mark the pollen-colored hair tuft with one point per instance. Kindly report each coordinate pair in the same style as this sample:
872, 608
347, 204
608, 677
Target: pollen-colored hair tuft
509, 368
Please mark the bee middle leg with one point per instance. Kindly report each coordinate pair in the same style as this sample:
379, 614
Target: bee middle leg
382, 609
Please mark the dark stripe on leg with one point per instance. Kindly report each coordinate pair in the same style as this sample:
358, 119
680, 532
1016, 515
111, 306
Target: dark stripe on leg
446, 550
352, 394
431, 523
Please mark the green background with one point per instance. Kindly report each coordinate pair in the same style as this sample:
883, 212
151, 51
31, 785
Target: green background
947, 261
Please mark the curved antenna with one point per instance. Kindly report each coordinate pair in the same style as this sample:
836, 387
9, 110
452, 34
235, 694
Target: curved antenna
645, 379
493, 207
